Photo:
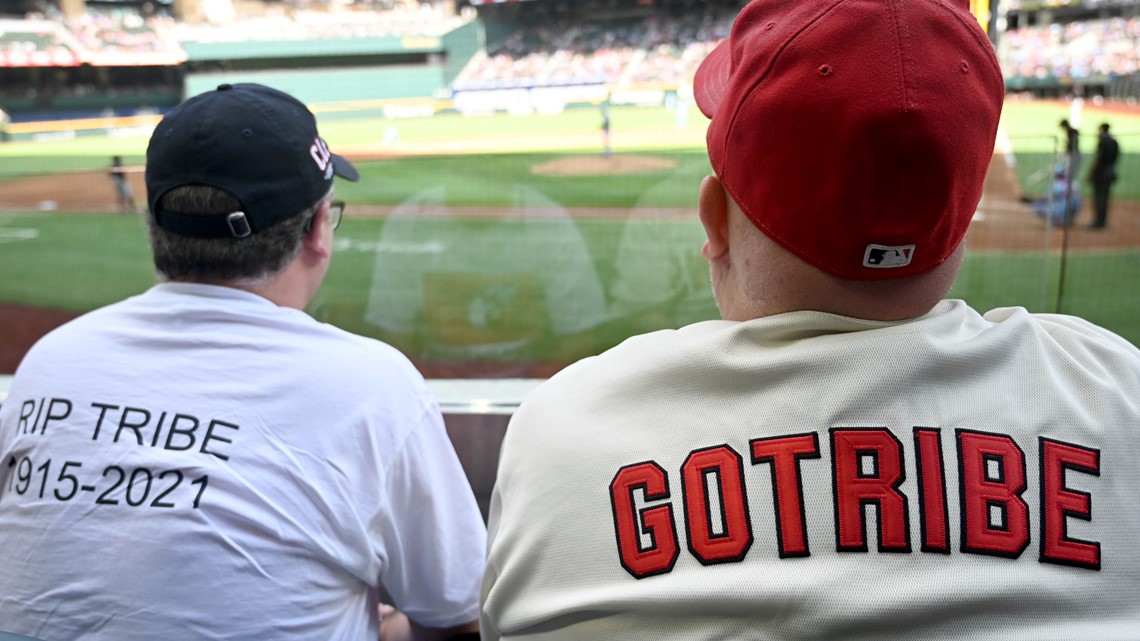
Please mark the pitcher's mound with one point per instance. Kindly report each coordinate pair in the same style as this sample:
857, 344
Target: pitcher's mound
600, 165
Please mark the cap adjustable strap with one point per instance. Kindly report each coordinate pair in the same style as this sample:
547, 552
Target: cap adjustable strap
235, 224
238, 224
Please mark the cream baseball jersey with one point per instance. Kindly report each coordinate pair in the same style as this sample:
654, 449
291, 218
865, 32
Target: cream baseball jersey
199, 463
808, 476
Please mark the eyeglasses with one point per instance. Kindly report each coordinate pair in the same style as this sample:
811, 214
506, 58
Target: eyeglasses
336, 212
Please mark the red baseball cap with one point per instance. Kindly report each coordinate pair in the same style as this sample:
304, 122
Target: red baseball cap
855, 133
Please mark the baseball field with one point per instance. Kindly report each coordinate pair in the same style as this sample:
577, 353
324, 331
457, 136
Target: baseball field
510, 245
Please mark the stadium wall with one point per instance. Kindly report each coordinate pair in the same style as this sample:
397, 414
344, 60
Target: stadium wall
360, 73
71, 107
313, 86
359, 69
460, 47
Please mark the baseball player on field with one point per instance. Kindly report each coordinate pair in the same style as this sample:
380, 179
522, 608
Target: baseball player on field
847, 454
205, 461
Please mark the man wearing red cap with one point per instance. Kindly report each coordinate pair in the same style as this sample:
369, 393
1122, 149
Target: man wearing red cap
846, 454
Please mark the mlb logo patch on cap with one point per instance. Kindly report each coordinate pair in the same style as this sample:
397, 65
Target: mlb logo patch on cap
884, 257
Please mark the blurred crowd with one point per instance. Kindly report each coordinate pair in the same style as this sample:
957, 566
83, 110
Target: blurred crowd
137, 48
27, 39
663, 49
1030, 5
126, 31
1077, 50
657, 49
121, 31
320, 22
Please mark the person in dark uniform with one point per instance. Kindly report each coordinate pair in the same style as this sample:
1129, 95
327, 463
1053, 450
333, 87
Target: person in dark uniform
1072, 137
1102, 174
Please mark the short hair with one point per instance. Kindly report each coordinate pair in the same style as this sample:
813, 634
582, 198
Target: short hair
1104, 127
250, 260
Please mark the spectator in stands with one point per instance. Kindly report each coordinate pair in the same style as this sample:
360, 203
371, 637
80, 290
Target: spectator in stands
215, 463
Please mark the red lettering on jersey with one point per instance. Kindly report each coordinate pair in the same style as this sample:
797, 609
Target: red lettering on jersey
723, 537
784, 454
932, 490
662, 550
1058, 503
995, 519
867, 469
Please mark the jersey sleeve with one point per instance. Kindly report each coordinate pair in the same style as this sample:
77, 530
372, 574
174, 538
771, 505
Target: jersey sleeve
433, 534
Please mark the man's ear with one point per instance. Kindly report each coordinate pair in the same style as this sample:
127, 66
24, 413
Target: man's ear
713, 209
316, 239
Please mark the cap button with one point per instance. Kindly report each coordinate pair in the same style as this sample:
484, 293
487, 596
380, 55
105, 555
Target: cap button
225, 87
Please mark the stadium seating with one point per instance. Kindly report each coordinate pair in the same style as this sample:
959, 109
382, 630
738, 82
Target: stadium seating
657, 49
279, 23
35, 43
1077, 50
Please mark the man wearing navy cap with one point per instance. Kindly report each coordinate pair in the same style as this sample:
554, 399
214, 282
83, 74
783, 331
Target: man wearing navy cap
205, 460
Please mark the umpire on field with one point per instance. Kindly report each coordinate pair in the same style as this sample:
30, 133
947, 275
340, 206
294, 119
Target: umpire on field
205, 461
847, 454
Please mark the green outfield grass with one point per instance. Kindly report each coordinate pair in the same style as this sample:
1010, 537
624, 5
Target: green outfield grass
79, 262
485, 180
575, 130
531, 284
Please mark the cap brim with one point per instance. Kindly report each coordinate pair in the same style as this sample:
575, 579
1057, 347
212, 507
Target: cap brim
344, 169
711, 80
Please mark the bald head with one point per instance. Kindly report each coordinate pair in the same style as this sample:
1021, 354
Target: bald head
753, 276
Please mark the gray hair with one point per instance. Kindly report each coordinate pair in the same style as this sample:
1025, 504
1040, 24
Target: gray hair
248, 261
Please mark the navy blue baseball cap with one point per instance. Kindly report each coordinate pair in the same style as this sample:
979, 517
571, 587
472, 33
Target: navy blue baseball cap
253, 141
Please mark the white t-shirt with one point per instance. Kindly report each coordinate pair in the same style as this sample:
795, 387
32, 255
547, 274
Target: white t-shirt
807, 476
199, 463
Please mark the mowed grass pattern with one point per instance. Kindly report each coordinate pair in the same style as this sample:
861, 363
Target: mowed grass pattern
79, 262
